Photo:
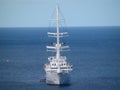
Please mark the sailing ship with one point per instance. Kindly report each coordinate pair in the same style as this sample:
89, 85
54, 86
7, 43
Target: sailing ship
58, 69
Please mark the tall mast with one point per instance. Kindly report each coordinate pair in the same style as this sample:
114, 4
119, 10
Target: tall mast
58, 47
57, 27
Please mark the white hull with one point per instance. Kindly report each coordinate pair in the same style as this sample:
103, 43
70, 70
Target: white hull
54, 78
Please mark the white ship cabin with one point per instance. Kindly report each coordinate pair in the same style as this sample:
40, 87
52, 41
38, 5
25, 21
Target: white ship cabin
58, 65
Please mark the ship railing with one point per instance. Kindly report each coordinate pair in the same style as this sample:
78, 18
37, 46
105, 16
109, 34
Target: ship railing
62, 70
54, 58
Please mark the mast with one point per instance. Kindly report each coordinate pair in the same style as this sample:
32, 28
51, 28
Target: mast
58, 47
58, 38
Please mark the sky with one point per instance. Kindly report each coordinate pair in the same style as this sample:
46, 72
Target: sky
36, 13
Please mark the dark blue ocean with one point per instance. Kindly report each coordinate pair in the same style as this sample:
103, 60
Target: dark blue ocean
94, 53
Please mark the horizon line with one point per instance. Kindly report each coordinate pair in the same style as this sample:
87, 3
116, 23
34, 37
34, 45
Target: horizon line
60, 27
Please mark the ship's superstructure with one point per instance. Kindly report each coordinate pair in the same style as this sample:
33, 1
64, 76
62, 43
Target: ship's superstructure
57, 70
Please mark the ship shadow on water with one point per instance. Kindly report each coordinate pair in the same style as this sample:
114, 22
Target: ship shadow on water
62, 85
55, 85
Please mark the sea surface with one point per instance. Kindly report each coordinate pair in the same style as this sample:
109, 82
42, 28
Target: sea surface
94, 54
